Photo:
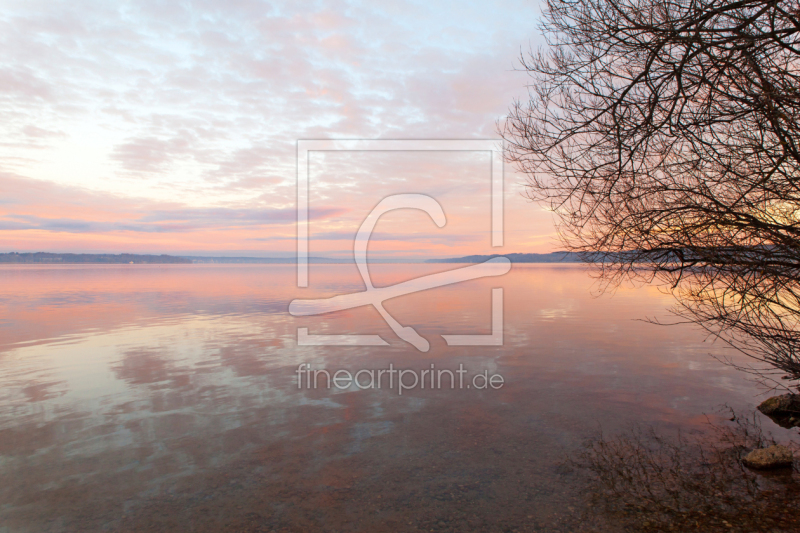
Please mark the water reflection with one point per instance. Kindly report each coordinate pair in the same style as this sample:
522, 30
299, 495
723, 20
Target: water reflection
696, 481
375, 297
150, 397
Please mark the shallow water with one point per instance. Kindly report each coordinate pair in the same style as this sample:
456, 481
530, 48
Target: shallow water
165, 397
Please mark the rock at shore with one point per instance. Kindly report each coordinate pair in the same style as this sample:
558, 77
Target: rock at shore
784, 410
776, 456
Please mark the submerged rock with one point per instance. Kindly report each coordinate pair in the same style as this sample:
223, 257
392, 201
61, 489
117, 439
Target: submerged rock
784, 410
776, 456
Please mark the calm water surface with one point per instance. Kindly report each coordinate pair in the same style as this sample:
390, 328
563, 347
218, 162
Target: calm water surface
165, 398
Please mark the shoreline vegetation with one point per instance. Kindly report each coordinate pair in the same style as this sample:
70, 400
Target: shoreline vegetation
70, 258
553, 257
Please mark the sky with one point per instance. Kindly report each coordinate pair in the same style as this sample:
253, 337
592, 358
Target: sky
172, 127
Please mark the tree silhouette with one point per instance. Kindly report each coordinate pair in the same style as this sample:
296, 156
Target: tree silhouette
664, 136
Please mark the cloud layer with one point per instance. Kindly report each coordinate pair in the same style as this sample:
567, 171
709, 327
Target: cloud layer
173, 126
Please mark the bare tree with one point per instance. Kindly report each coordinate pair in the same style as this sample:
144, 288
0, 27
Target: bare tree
664, 136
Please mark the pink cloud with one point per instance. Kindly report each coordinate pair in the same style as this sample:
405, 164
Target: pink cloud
199, 106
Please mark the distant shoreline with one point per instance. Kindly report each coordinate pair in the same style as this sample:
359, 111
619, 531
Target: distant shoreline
48, 258
553, 257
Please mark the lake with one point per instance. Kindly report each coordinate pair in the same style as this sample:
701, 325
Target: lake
166, 397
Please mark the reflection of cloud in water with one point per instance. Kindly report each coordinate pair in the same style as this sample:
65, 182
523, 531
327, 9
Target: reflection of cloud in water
366, 430
165, 398
566, 310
